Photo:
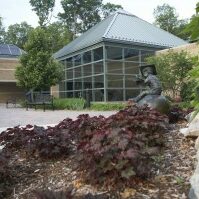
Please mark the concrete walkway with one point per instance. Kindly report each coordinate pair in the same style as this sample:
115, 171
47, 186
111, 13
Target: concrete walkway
19, 116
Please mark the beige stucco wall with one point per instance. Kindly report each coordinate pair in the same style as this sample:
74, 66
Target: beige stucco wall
192, 49
8, 88
55, 91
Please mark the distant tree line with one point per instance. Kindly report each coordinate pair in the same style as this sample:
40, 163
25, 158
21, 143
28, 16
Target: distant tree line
37, 65
77, 17
80, 15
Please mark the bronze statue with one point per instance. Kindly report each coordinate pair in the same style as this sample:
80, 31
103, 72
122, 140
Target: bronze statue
151, 80
152, 96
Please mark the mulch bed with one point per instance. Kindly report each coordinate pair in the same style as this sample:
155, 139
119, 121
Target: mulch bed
171, 175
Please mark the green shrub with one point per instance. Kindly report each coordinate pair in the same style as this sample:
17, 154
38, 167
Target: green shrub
69, 103
107, 106
173, 70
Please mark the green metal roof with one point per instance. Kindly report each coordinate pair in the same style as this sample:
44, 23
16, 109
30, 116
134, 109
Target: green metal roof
122, 27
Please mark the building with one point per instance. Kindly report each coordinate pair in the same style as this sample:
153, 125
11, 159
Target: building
106, 59
9, 58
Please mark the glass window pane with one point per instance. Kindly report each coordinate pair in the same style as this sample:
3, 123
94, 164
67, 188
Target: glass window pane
77, 59
114, 53
130, 82
89, 94
78, 94
78, 84
115, 81
69, 85
99, 95
87, 83
114, 67
69, 94
115, 95
98, 68
98, 53
69, 62
131, 68
146, 54
87, 70
87, 57
62, 62
78, 72
62, 86
131, 93
131, 54
99, 81
69, 74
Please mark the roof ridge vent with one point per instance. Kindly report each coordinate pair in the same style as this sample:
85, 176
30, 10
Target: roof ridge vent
124, 12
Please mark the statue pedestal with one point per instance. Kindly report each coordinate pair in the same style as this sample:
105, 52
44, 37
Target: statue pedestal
158, 102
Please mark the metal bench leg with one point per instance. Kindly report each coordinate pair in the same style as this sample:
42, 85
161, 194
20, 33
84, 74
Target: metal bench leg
44, 107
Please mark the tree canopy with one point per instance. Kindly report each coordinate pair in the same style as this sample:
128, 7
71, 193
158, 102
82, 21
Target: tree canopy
80, 15
167, 19
2, 31
18, 34
43, 9
59, 36
38, 69
193, 26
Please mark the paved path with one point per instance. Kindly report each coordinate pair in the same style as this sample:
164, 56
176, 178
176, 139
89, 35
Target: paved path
19, 116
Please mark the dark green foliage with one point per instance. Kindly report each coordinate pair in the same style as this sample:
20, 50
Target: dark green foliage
69, 103
59, 35
43, 9
167, 19
107, 106
187, 91
18, 34
81, 15
193, 27
38, 69
173, 70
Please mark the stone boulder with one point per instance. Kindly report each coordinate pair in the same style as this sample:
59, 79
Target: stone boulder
194, 192
193, 128
158, 102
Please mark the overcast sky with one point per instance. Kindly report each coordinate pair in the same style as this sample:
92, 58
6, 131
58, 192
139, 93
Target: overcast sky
16, 11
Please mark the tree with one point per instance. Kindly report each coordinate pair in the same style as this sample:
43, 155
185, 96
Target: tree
167, 19
38, 69
2, 31
80, 15
193, 27
109, 8
172, 69
18, 34
43, 9
59, 35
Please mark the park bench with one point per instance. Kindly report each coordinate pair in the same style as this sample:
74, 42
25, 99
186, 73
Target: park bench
12, 101
39, 98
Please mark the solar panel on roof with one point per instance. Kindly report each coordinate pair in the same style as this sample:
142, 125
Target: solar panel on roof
15, 50
4, 50
10, 50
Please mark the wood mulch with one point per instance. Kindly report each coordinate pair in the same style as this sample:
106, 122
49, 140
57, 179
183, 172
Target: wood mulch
172, 172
